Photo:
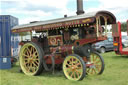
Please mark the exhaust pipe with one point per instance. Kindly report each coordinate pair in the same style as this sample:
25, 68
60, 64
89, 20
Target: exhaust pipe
80, 7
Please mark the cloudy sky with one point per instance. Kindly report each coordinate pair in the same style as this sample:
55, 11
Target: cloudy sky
36, 10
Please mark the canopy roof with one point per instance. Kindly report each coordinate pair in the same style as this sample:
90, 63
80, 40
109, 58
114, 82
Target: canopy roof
65, 22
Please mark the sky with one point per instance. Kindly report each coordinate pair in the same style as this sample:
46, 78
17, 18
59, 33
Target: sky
40, 10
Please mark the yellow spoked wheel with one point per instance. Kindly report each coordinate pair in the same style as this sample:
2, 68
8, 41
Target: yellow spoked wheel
96, 65
31, 59
74, 67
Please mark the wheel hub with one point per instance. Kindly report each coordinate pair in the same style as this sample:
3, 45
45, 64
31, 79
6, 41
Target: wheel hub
31, 60
73, 67
92, 66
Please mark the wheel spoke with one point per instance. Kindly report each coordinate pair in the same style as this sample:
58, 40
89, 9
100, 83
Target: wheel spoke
68, 65
36, 59
99, 61
94, 70
72, 74
98, 65
91, 71
34, 54
26, 63
34, 64
30, 65
95, 59
25, 55
31, 49
98, 68
27, 69
68, 71
88, 69
33, 69
77, 74
78, 64
78, 71
72, 61
79, 68
28, 51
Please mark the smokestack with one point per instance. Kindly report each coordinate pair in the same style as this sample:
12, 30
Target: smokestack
80, 7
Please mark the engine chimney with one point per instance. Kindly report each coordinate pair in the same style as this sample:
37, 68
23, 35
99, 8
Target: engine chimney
80, 7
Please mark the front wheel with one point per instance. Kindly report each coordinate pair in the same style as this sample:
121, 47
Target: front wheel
96, 65
74, 67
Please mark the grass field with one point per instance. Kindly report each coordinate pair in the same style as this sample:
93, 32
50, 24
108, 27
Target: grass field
115, 73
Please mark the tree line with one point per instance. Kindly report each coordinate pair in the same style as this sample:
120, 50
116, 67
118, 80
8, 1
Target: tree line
124, 27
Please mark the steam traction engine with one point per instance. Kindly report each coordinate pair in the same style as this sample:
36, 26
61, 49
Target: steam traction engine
64, 42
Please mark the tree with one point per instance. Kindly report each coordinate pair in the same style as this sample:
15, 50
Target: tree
124, 27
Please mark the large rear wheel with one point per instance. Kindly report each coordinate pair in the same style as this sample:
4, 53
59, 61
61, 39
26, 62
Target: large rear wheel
74, 67
31, 59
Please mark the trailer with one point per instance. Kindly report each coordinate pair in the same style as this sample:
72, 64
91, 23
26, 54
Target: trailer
64, 42
117, 39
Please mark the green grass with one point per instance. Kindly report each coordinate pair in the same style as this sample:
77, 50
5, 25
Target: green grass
115, 73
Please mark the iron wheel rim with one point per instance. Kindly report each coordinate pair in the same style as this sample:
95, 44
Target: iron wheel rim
29, 59
73, 68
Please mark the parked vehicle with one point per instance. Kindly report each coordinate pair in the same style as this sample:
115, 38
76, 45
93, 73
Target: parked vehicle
103, 46
125, 41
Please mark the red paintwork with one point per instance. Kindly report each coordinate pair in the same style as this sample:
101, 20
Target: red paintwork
90, 40
88, 65
53, 40
118, 39
62, 49
21, 43
58, 59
